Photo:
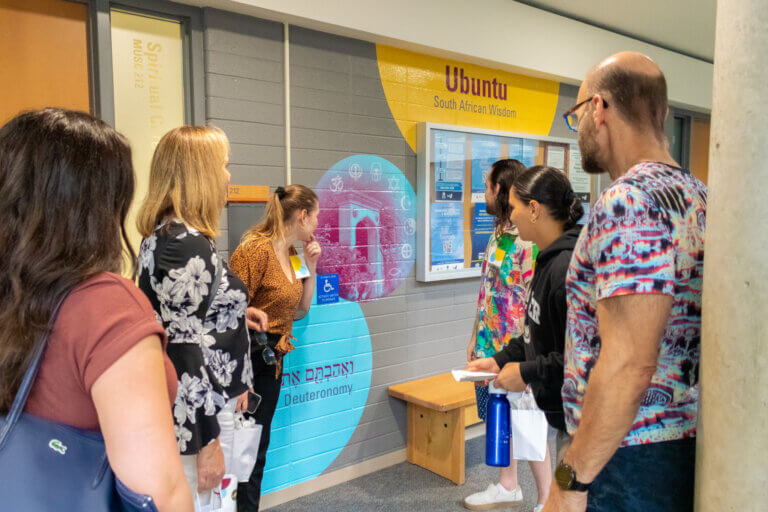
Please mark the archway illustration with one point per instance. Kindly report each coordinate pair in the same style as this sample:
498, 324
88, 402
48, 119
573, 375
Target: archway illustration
366, 226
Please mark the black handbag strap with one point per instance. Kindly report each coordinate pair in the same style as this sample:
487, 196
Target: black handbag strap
29, 378
20, 400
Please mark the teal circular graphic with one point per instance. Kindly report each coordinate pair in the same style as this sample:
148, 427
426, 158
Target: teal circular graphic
366, 226
326, 380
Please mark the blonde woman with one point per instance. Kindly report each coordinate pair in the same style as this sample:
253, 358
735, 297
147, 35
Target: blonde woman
263, 262
207, 337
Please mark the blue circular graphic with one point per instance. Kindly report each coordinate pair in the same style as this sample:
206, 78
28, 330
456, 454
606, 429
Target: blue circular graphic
325, 388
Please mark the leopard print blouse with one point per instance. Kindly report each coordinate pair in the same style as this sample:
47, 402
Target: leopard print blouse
256, 263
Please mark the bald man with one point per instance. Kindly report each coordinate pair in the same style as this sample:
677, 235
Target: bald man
634, 305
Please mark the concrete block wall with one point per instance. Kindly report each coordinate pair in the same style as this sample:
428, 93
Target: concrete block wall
338, 109
244, 87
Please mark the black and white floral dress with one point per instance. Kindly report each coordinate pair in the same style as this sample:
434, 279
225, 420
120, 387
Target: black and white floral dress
177, 266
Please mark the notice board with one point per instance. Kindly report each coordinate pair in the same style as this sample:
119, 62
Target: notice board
453, 163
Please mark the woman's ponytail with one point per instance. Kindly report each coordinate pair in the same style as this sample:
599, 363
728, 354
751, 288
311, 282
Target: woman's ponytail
575, 214
273, 222
549, 186
280, 207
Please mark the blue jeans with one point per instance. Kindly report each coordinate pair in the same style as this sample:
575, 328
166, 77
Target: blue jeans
654, 477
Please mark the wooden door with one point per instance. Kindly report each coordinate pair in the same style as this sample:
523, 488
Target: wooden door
43, 56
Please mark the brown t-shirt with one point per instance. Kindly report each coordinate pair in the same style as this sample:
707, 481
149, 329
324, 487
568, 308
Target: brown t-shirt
256, 264
98, 323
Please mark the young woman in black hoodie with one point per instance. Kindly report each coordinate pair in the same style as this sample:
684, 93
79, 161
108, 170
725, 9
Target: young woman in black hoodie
546, 212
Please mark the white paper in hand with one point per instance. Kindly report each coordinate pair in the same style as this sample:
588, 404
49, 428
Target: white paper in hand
468, 376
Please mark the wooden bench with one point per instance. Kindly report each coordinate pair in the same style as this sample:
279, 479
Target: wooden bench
439, 409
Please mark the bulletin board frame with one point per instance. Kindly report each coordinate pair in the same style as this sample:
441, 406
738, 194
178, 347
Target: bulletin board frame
426, 193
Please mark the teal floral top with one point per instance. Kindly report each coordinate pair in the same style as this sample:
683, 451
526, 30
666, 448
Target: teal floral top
506, 275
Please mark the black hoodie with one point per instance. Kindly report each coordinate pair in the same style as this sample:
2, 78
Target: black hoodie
540, 349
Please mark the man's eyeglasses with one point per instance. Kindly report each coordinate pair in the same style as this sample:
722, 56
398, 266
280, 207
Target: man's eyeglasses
571, 119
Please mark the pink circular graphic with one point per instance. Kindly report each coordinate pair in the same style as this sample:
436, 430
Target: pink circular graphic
366, 226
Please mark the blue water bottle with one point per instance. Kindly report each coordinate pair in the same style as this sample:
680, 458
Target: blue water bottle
497, 428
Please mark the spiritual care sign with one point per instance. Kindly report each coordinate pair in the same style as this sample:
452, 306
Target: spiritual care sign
148, 78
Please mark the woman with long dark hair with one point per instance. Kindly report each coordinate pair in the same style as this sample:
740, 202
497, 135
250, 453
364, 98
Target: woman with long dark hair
546, 211
263, 262
66, 183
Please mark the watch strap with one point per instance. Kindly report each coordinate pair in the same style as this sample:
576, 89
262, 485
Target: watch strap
579, 487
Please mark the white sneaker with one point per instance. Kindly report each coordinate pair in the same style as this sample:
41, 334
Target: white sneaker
495, 496
538, 508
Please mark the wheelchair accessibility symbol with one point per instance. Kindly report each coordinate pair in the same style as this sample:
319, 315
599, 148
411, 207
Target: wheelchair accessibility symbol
328, 288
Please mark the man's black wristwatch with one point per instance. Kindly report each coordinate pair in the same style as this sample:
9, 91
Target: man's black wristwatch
566, 479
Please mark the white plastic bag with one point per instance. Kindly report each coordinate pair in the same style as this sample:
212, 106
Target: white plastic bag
223, 497
529, 428
245, 448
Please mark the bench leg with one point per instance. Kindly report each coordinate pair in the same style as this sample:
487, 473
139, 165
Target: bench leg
436, 441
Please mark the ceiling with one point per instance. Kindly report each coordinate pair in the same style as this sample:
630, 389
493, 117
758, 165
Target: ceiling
685, 26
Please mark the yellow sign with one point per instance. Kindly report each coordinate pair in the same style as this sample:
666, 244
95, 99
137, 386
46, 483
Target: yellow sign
148, 75
423, 88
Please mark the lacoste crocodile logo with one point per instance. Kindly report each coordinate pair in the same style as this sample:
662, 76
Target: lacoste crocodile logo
57, 446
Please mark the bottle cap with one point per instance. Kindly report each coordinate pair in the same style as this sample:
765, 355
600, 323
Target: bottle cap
494, 390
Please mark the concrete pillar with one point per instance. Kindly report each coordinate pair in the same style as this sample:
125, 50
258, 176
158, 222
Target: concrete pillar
732, 445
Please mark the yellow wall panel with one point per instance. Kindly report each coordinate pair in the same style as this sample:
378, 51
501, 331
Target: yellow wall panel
433, 92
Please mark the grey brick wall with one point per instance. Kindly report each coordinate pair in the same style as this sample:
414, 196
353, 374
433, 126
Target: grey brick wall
338, 109
245, 97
